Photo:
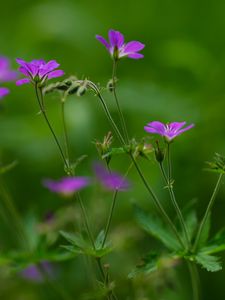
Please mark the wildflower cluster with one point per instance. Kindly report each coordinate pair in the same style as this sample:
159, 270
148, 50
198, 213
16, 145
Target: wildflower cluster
183, 236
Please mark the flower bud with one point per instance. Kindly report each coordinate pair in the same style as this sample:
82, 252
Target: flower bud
159, 153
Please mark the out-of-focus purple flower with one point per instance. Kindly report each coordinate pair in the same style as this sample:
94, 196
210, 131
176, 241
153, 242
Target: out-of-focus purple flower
111, 180
118, 49
169, 131
38, 71
35, 273
3, 92
6, 74
66, 186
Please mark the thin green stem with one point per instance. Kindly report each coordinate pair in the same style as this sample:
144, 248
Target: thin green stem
110, 217
194, 280
175, 204
66, 139
121, 117
152, 194
40, 101
207, 212
169, 162
157, 203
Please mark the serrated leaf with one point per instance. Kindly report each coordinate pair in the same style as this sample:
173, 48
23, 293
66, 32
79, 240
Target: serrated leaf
208, 262
75, 239
148, 265
156, 228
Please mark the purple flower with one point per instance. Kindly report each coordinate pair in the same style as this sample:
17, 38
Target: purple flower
6, 74
117, 48
169, 131
33, 273
111, 180
3, 92
38, 71
66, 186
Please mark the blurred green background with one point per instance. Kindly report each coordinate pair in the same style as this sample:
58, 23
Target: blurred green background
180, 78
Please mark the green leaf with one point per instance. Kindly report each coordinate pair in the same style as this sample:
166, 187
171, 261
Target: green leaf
79, 246
148, 265
216, 244
205, 232
191, 223
153, 225
99, 240
208, 262
114, 151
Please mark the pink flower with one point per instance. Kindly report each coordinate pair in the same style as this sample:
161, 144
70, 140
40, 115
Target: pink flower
169, 131
118, 49
38, 71
66, 186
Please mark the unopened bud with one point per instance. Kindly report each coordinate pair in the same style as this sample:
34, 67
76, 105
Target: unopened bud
159, 153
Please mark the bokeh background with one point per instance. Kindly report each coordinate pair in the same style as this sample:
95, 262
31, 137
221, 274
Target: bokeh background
180, 78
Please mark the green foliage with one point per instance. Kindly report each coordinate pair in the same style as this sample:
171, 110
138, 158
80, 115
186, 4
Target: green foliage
218, 165
79, 245
148, 265
6, 168
154, 226
208, 262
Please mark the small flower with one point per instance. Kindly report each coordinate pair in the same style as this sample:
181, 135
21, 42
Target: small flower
66, 186
34, 273
111, 180
6, 74
38, 71
169, 131
3, 92
118, 49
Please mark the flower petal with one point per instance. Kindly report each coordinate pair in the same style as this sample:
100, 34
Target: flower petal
155, 127
132, 47
102, 40
135, 55
116, 38
3, 92
185, 129
22, 81
56, 73
46, 68
175, 126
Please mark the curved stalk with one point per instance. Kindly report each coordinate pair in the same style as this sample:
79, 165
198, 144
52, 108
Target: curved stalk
209, 208
122, 120
194, 280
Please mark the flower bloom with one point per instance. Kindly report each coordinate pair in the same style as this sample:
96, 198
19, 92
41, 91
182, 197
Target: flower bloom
3, 92
38, 71
33, 273
111, 180
169, 131
66, 186
6, 74
118, 49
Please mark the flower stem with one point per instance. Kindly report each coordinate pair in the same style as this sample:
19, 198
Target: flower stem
66, 139
110, 217
40, 101
169, 184
194, 280
208, 210
157, 202
122, 120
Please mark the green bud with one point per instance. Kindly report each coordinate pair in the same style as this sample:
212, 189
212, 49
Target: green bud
159, 153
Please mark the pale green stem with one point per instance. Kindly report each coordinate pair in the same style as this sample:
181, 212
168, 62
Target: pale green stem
194, 280
175, 204
40, 101
207, 212
121, 117
66, 139
157, 203
110, 217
